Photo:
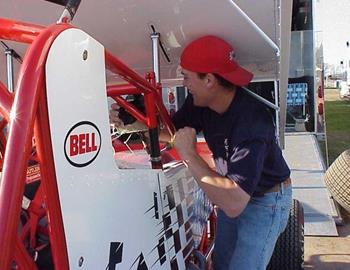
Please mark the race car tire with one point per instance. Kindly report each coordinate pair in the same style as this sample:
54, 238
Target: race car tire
337, 179
289, 250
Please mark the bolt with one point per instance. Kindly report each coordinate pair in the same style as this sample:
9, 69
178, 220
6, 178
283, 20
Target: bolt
81, 260
85, 55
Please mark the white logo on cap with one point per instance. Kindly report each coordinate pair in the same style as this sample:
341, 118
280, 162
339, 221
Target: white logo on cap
232, 55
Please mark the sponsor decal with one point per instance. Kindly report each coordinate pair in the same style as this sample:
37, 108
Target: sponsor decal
33, 173
82, 144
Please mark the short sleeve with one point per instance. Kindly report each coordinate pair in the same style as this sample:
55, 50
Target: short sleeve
245, 164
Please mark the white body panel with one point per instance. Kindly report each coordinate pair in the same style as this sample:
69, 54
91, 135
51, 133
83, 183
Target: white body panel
124, 28
102, 206
95, 199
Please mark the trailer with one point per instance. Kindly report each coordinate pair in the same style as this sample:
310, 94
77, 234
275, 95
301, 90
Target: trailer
73, 197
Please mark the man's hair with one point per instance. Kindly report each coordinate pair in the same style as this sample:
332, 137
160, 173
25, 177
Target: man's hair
223, 82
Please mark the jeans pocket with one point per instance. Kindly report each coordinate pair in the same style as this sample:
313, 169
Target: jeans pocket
268, 200
285, 209
284, 219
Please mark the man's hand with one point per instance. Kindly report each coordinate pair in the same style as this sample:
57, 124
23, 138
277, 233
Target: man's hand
119, 126
114, 115
185, 142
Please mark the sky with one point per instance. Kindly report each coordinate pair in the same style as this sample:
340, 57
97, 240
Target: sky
335, 22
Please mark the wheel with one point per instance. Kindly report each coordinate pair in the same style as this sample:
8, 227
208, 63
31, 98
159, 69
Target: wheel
289, 250
337, 179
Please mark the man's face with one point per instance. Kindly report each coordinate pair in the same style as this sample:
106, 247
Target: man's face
197, 87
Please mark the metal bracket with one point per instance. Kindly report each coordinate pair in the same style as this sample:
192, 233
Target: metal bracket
69, 11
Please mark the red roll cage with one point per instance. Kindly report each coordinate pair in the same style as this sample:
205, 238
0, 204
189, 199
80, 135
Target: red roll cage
27, 115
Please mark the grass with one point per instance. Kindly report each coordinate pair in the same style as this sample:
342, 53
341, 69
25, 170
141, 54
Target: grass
338, 127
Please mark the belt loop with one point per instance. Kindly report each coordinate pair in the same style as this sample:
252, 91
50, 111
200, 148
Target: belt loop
282, 188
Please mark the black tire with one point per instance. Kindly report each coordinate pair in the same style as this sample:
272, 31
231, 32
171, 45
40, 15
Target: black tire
337, 179
289, 250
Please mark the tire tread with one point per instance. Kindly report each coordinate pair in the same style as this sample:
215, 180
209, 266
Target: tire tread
289, 250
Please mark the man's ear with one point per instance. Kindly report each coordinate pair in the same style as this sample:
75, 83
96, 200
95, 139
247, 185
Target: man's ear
211, 80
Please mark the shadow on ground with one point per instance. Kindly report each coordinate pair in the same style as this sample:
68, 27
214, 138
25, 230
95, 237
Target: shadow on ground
330, 253
319, 264
344, 230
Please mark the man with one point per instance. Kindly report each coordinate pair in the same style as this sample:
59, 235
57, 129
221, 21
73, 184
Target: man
251, 185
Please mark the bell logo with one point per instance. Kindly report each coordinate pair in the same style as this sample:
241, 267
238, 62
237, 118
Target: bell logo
82, 144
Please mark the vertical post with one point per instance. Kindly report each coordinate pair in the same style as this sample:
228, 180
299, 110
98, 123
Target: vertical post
153, 132
285, 11
276, 96
9, 62
155, 51
314, 71
156, 159
347, 59
304, 93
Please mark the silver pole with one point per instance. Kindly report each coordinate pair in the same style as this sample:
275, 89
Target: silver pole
256, 28
155, 51
277, 111
261, 99
10, 76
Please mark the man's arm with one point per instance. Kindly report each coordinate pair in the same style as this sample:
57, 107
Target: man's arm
221, 190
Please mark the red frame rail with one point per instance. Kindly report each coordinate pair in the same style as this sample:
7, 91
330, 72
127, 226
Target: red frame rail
25, 113
19, 31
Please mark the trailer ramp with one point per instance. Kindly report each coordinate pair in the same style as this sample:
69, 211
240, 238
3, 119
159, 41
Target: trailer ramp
307, 167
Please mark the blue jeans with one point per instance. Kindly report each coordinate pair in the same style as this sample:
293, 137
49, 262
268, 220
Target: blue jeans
247, 241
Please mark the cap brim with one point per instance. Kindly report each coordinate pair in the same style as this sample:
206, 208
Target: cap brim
239, 76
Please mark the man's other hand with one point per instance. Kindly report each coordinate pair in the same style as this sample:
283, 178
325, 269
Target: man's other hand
185, 142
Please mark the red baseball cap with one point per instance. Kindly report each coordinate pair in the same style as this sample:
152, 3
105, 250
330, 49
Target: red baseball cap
210, 54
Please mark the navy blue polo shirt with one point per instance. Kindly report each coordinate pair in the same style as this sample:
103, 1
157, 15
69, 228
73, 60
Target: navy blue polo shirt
242, 140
